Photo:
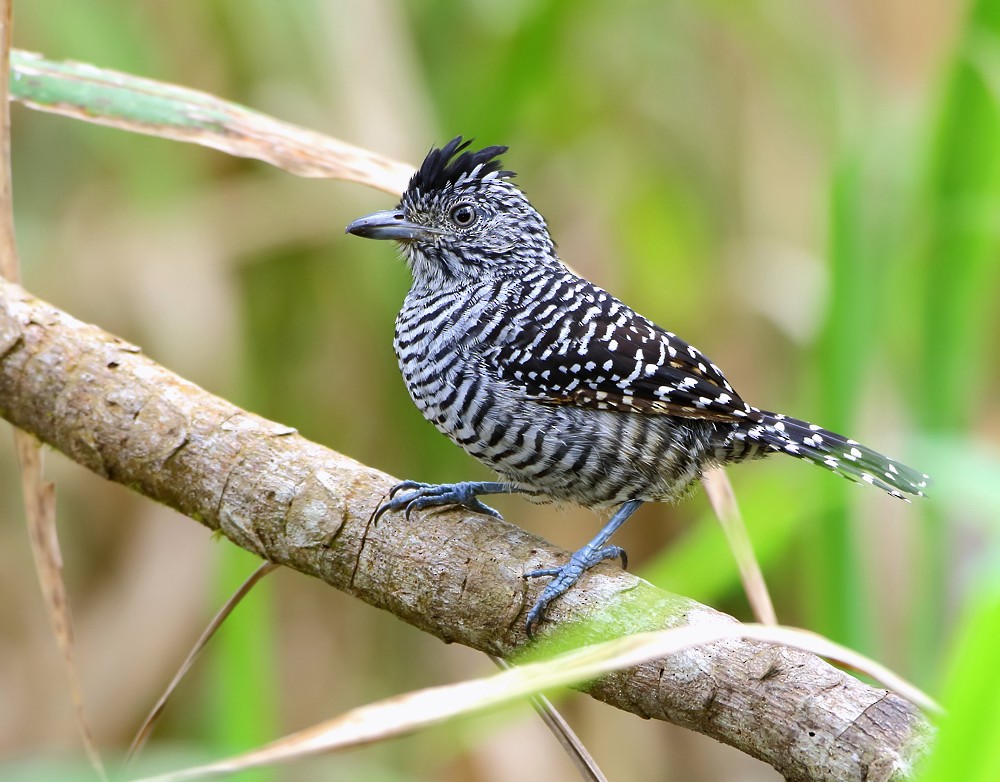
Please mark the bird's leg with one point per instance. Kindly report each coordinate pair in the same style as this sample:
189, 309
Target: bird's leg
579, 562
417, 496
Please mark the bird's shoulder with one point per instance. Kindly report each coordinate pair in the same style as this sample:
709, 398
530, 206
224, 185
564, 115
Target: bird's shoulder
565, 341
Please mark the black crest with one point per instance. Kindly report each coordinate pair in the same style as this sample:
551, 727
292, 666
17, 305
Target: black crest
442, 168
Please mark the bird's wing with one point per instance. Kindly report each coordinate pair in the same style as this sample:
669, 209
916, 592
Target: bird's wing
605, 356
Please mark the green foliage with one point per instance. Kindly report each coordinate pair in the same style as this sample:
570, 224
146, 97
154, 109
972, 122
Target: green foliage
968, 747
791, 188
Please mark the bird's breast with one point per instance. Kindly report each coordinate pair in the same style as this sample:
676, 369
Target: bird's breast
434, 330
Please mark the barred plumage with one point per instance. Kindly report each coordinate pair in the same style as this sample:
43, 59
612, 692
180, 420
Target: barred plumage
554, 383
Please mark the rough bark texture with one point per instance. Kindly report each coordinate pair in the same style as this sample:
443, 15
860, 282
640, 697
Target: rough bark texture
454, 574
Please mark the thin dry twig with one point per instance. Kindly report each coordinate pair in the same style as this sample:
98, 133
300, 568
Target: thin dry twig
727, 511
565, 735
234, 600
39, 495
404, 713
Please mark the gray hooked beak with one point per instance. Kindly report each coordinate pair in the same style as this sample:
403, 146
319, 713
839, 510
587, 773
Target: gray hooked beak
390, 225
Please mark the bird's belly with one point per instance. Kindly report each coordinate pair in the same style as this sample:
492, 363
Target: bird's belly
592, 457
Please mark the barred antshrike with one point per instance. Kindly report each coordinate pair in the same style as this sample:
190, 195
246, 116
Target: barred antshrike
563, 390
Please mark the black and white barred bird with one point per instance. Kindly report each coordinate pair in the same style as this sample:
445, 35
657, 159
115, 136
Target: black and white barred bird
566, 392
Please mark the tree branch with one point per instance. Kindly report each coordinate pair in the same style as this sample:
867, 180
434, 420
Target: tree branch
450, 573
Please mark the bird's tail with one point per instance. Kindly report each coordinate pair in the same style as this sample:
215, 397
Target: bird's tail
775, 432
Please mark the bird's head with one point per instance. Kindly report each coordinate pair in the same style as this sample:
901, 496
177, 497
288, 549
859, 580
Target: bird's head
462, 219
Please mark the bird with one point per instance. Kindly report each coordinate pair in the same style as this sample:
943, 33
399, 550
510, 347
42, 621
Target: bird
565, 392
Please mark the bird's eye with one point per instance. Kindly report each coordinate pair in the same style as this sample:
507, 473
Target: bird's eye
463, 215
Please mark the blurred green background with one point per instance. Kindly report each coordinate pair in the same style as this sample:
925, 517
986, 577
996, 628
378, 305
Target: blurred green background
809, 192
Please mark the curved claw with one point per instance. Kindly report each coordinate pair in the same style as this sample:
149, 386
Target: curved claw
379, 512
406, 485
478, 506
392, 502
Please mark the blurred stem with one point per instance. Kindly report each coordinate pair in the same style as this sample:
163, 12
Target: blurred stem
243, 708
960, 256
842, 611
156, 108
969, 744
9, 265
